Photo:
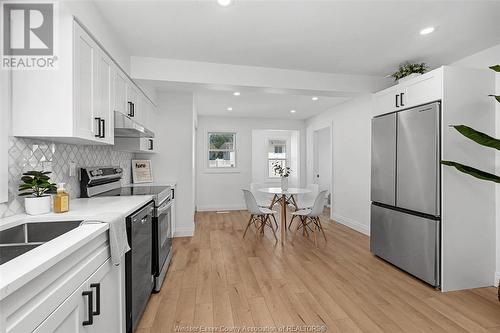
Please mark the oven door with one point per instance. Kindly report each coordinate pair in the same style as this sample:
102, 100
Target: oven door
163, 236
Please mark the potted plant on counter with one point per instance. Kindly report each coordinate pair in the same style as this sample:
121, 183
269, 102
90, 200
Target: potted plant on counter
284, 173
36, 187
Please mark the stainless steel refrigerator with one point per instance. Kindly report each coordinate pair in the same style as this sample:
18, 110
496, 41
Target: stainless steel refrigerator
405, 190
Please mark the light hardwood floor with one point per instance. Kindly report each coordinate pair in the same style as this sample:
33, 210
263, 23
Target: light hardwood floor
218, 279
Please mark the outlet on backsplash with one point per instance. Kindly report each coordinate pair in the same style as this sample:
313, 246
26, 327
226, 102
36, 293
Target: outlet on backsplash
72, 169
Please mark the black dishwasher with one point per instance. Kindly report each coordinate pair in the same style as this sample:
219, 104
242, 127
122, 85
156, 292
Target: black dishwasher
138, 264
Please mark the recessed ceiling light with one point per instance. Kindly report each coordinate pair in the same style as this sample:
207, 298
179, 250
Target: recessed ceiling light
292, 111
427, 31
229, 109
236, 93
315, 98
224, 3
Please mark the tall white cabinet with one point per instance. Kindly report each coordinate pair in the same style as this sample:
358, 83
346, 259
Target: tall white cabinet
467, 204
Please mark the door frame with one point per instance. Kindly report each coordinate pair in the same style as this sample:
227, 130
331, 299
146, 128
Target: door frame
315, 170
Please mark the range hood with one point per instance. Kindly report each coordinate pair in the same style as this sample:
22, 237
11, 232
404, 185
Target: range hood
125, 127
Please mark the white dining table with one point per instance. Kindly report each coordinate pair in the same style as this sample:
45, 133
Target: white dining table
284, 198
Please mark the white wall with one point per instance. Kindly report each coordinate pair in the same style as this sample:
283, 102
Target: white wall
221, 190
174, 135
351, 149
485, 59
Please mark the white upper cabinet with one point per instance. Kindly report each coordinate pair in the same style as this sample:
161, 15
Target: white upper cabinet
85, 75
420, 90
76, 102
120, 86
105, 99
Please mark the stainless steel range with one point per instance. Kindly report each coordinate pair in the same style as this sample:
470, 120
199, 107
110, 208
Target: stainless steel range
106, 181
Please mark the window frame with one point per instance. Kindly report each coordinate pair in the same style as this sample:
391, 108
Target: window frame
286, 159
210, 169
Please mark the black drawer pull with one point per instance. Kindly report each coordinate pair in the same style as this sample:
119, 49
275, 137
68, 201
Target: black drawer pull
401, 99
397, 101
97, 287
90, 302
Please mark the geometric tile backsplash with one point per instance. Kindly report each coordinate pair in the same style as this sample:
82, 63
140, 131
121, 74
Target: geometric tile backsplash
31, 154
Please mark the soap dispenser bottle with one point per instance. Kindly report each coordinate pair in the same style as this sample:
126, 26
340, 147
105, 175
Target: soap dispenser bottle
61, 200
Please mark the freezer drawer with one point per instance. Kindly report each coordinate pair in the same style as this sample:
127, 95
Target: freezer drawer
418, 154
383, 180
407, 241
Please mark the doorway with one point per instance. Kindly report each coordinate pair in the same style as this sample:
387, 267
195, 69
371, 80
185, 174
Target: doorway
322, 169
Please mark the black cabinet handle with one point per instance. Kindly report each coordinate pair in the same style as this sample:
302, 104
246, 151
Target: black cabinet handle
401, 98
397, 101
133, 109
103, 123
130, 109
90, 302
150, 144
97, 287
98, 135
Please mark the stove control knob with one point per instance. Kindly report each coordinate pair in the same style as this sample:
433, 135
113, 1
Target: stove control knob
118, 170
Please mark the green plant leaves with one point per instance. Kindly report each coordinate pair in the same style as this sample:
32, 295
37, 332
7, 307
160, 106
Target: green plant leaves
478, 137
472, 171
496, 68
36, 183
497, 97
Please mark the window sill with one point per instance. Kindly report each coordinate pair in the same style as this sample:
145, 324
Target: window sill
221, 171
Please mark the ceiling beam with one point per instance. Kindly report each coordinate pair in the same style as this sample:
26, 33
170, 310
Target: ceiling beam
272, 79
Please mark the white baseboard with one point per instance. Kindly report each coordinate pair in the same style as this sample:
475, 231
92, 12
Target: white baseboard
362, 228
215, 208
184, 232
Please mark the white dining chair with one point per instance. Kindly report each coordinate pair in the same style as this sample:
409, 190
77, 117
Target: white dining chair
310, 216
259, 216
263, 199
306, 200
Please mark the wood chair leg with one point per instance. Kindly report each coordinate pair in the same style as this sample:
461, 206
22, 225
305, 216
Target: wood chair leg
291, 221
314, 234
272, 228
275, 222
294, 203
320, 226
248, 225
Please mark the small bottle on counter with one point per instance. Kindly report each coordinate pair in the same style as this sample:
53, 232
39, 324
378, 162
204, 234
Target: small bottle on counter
61, 199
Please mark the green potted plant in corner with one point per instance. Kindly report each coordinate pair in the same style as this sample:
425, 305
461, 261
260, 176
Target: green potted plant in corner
408, 71
36, 187
484, 140
284, 173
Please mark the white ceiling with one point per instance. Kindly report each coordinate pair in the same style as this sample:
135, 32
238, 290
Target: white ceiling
262, 105
351, 37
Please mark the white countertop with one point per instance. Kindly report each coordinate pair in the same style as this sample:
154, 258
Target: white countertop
18, 271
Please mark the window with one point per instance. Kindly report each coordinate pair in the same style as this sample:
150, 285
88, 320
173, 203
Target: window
276, 154
221, 150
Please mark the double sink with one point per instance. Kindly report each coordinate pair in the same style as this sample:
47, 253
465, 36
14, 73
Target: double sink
25, 237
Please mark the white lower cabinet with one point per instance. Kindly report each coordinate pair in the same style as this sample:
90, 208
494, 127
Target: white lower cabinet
93, 307
54, 300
